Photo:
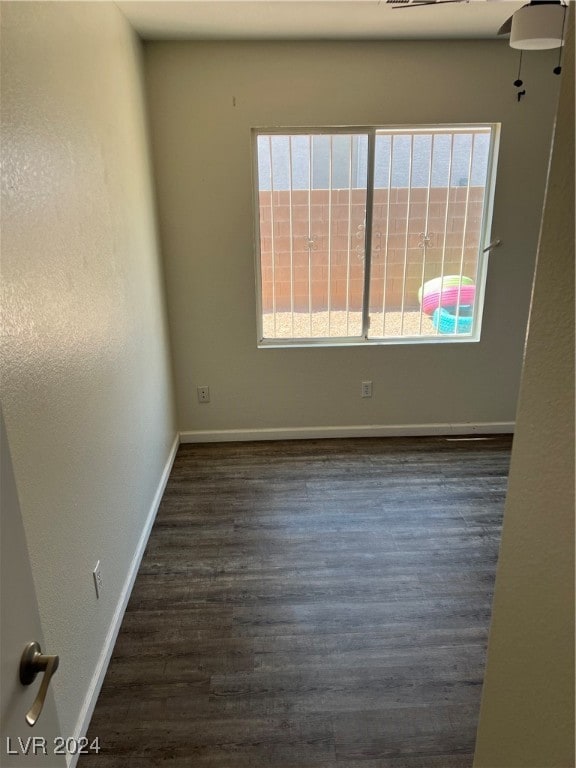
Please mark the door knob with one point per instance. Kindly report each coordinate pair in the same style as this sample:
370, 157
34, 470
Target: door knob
32, 662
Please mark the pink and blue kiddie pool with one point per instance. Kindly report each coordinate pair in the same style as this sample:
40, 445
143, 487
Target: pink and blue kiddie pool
450, 302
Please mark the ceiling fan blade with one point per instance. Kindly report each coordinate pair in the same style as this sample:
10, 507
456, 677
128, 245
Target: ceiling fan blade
506, 28
426, 2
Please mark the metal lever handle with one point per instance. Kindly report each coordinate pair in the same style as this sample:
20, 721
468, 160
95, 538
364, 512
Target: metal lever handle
493, 244
32, 662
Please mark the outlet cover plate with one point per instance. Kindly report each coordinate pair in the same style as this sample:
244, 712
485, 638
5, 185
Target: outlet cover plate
366, 389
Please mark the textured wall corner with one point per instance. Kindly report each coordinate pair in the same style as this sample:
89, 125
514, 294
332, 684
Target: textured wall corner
527, 715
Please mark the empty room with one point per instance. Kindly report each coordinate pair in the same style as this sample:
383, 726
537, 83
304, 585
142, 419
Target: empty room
287, 384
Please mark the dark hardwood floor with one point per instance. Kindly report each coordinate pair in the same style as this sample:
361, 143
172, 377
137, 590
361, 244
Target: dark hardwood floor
310, 603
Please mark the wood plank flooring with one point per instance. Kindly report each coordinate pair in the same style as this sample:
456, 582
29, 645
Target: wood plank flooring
310, 603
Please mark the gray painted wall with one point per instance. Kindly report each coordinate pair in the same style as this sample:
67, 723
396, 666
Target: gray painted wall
205, 97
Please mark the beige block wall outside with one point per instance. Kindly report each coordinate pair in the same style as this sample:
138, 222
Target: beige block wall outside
328, 272
204, 100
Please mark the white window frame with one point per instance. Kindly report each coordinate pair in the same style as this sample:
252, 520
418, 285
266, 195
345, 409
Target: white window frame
371, 132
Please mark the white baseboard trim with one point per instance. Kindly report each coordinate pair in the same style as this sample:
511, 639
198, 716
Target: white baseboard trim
370, 430
102, 666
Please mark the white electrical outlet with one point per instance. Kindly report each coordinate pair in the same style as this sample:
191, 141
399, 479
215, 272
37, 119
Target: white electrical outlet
366, 389
98, 584
203, 394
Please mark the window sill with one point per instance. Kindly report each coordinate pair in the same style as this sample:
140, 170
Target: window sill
359, 343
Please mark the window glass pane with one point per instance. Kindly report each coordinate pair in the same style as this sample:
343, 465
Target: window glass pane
312, 216
426, 231
427, 220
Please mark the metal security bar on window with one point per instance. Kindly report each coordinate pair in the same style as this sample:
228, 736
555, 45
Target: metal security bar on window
373, 235
312, 203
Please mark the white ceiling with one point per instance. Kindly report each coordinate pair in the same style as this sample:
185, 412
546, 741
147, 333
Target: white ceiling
314, 19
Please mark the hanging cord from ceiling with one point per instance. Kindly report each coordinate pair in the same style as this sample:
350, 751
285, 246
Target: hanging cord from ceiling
519, 82
558, 69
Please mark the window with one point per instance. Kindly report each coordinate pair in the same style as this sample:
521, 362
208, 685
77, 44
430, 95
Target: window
372, 235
